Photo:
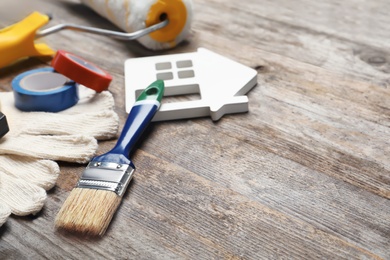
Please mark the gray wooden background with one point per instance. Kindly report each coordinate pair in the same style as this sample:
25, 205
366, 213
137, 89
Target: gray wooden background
304, 175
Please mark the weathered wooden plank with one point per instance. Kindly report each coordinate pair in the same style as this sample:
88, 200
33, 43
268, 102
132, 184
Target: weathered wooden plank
315, 105
304, 174
191, 219
331, 205
342, 37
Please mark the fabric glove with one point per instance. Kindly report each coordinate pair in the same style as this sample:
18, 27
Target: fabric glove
37, 139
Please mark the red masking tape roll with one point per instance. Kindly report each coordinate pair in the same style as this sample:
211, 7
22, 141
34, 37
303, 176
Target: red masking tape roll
81, 71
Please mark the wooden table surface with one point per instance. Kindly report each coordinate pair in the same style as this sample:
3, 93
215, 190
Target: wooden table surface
304, 174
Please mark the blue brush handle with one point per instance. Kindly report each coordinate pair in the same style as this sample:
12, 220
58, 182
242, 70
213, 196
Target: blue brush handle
139, 118
137, 121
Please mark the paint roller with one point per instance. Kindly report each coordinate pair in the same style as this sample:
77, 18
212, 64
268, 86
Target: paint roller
135, 15
156, 24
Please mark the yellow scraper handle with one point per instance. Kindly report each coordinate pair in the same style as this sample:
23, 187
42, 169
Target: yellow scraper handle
17, 40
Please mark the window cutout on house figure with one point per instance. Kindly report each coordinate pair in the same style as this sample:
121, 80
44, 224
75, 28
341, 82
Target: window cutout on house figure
164, 76
163, 66
184, 64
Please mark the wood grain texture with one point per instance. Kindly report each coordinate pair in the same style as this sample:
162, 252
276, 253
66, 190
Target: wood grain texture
304, 175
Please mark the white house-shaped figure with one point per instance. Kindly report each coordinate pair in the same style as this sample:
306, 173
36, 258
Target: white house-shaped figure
221, 82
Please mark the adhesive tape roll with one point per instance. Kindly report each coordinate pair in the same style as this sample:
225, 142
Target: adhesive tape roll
81, 71
44, 90
133, 15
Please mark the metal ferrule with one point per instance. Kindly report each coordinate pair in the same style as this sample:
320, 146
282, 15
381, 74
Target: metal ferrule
106, 176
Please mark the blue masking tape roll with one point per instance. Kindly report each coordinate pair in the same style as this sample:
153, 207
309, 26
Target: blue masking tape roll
44, 90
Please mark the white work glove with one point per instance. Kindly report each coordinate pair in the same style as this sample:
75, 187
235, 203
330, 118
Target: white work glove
37, 139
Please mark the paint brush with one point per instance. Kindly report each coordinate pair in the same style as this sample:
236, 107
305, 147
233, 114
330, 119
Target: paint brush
94, 201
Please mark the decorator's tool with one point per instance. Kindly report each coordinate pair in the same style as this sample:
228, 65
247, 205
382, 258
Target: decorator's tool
44, 90
221, 83
92, 204
3, 125
17, 40
134, 15
156, 24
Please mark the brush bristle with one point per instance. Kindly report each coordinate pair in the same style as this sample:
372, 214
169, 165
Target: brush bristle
88, 211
